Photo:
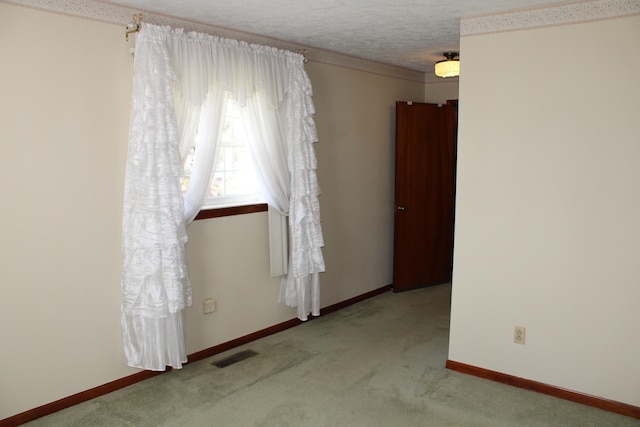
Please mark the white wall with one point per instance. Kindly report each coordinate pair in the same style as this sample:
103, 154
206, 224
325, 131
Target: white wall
442, 91
64, 116
355, 115
547, 230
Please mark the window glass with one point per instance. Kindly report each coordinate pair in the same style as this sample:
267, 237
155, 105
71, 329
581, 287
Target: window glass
234, 182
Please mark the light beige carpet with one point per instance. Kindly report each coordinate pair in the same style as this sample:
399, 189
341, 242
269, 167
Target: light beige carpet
376, 363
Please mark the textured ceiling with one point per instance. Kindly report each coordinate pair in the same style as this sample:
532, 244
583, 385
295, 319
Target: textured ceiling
411, 34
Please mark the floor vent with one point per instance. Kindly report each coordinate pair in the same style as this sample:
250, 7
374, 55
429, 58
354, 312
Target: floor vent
234, 358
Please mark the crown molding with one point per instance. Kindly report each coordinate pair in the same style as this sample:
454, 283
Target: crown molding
572, 13
104, 11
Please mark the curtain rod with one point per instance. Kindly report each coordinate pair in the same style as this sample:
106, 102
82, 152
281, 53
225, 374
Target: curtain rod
136, 25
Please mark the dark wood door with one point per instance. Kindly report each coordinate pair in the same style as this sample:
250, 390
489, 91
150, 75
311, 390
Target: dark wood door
424, 194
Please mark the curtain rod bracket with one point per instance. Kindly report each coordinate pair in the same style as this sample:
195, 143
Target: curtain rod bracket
134, 26
303, 52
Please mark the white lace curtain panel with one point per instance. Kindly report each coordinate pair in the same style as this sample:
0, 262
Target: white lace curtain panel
181, 84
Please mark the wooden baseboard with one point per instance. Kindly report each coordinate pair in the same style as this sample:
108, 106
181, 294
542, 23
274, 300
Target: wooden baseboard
585, 399
212, 351
75, 399
118, 384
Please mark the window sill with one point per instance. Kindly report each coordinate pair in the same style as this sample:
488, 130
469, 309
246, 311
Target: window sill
230, 211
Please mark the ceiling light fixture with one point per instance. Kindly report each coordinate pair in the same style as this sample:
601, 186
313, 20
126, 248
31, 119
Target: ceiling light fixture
449, 67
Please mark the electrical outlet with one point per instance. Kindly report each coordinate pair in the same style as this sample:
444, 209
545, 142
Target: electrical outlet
209, 305
518, 334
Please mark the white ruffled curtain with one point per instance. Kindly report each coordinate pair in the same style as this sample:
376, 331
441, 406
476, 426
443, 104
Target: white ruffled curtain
181, 85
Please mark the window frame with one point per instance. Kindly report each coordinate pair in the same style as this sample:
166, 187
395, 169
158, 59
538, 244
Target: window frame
234, 204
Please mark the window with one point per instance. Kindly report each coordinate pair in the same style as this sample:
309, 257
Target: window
234, 182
